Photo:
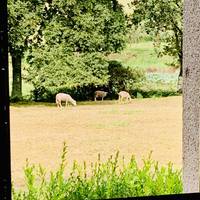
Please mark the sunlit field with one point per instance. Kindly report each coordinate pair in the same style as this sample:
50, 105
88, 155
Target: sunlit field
38, 132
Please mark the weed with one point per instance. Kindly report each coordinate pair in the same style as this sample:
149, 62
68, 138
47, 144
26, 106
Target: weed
105, 180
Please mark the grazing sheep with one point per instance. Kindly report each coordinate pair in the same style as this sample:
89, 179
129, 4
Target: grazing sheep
64, 97
124, 96
99, 94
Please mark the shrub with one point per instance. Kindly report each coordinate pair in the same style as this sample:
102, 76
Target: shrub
111, 179
157, 85
149, 89
80, 76
123, 78
15, 99
60, 71
138, 34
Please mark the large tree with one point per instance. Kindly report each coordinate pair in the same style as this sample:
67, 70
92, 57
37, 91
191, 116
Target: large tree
77, 37
24, 18
87, 26
163, 20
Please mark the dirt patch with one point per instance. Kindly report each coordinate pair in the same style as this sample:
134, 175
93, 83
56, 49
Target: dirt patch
161, 70
38, 132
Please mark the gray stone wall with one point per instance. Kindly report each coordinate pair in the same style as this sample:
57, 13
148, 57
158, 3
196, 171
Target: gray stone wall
191, 95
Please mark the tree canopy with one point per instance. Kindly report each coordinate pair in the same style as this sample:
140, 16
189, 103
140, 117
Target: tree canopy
23, 20
77, 36
163, 20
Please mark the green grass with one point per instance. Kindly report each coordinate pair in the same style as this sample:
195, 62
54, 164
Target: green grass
141, 55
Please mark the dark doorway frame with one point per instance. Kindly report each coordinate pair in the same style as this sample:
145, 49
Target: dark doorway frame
5, 160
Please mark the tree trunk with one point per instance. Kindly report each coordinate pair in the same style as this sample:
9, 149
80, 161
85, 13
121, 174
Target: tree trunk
191, 96
17, 77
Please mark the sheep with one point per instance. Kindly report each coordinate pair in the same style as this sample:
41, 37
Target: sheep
123, 95
99, 94
64, 97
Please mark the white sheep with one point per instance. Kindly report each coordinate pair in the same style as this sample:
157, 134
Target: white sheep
64, 97
123, 95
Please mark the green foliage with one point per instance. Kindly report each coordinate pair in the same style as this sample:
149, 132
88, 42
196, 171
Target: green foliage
151, 90
77, 36
24, 18
53, 69
140, 54
157, 85
137, 34
163, 20
15, 98
87, 26
123, 78
80, 75
112, 179
17, 14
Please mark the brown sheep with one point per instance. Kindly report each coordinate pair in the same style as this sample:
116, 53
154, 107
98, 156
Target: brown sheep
99, 94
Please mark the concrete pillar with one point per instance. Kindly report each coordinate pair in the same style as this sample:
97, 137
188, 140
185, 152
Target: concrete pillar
191, 95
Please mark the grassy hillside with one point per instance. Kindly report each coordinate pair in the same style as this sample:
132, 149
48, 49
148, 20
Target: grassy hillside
141, 55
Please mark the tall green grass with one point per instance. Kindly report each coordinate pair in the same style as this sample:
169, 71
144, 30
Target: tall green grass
110, 179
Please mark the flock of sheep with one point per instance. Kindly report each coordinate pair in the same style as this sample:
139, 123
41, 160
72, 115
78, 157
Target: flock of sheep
62, 97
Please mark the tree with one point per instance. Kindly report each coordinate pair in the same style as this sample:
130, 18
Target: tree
52, 70
24, 17
162, 19
77, 37
87, 26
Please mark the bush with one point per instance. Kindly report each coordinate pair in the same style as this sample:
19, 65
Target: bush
55, 70
149, 89
111, 179
93, 73
15, 99
138, 34
157, 85
123, 78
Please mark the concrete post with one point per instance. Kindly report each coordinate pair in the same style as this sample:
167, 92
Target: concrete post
191, 95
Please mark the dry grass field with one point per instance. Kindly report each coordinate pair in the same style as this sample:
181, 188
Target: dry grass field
38, 132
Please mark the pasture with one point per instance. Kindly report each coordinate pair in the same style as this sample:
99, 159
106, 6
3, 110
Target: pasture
144, 125
143, 55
